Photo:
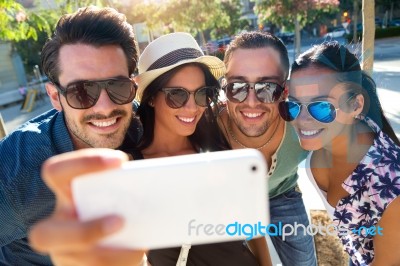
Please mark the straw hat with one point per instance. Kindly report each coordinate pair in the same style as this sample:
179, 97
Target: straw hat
170, 51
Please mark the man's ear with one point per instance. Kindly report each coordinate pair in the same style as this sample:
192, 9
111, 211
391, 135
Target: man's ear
54, 96
285, 93
223, 82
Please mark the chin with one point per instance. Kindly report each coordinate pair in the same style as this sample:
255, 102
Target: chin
310, 145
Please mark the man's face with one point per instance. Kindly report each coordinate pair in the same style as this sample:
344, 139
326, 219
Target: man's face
251, 116
104, 124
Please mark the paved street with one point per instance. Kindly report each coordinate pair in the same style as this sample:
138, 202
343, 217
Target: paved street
386, 74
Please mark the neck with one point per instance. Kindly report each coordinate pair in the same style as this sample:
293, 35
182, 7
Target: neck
164, 145
351, 145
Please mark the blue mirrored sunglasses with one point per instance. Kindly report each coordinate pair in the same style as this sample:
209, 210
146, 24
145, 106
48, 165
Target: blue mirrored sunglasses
322, 111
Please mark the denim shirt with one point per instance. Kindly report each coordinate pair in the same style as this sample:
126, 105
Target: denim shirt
24, 198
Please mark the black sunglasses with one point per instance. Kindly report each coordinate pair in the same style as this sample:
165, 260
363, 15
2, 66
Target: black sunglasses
85, 93
178, 97
266, 92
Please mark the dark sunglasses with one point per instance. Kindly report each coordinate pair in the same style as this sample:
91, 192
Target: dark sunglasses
322, 111
178, 97
84, 94
266, 92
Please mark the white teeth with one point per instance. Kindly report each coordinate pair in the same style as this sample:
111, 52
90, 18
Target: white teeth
104, 124
186, 119
252, 115
309, 133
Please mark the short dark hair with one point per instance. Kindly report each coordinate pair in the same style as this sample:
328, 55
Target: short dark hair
93, 26
257, 39
207, 136
336, 57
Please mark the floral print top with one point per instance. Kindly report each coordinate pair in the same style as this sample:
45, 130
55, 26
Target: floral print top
372, 186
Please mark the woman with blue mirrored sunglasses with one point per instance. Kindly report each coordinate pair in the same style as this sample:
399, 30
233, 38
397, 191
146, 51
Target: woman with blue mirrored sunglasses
354, 162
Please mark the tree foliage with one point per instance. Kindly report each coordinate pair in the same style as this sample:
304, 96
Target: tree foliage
196, 16
29, 34
16, 23
233, 9
28, 30
285, 12
220, 17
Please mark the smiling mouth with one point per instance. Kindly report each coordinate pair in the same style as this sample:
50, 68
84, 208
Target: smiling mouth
104, 123
310, 133
186, 119
252, 115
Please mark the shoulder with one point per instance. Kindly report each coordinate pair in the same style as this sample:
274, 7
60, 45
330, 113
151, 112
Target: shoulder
26, 148
35, 128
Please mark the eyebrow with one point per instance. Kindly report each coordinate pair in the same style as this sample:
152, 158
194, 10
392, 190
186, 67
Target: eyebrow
243, 78
80, 80
318, 98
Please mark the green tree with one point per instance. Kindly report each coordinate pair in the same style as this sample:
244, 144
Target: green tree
16, 23
197, 16
232, 8
293, 14
29, 50
220, 17
41, 24
152, 13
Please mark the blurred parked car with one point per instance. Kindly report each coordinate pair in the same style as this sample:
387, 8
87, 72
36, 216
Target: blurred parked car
335, 32
213, 46
359, 28
285, 37
394, 23
224, 41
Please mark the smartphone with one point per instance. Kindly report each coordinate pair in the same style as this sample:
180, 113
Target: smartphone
191, 199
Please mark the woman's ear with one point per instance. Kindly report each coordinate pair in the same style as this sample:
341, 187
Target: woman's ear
151, 102
357, 104
54, 96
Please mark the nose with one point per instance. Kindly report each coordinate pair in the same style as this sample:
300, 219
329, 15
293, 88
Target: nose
191, 103
304, 115
104, 104
251, 99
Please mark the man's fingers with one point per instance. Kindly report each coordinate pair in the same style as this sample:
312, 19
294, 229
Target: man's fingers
59, 170
52, 235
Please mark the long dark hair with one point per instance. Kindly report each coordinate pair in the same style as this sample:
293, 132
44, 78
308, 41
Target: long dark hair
206, 137
336, 57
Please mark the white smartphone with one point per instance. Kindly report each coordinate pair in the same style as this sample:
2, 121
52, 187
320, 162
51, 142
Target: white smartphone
190, 199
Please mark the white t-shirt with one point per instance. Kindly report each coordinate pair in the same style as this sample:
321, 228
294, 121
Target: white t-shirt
321, 192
